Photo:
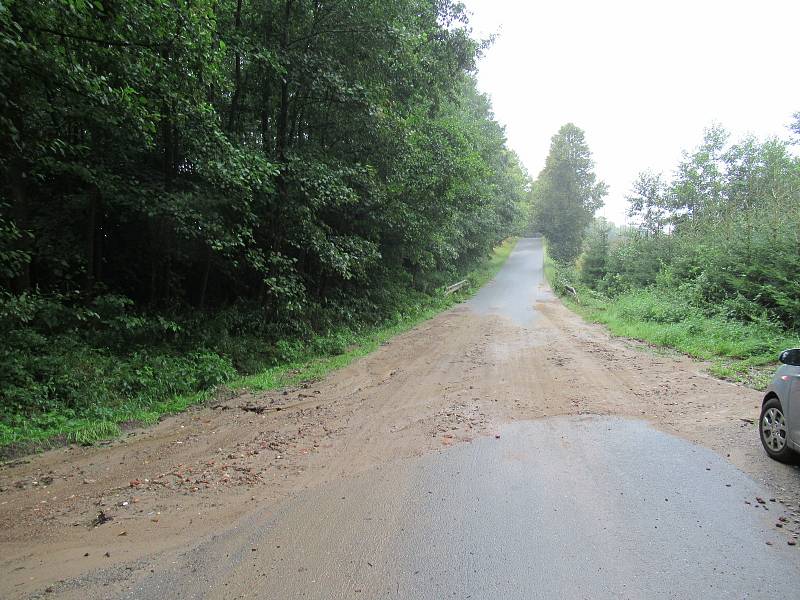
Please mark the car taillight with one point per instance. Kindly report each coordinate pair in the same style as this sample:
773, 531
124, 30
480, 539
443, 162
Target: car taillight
785, 377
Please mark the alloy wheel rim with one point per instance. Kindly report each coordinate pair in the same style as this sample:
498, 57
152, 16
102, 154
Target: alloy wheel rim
773, 429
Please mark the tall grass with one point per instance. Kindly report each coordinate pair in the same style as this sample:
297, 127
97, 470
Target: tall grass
740, 351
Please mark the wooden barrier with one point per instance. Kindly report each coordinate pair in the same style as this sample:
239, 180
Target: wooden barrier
455, 287
574, 292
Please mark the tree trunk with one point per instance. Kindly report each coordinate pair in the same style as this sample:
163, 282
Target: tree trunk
99, 238
91, 225
21, 282
204, 284
283, 111
237, 77
266, 93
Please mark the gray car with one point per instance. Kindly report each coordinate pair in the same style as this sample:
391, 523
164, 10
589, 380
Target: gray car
779, 425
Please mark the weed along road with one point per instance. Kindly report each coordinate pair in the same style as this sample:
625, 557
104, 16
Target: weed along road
503, 449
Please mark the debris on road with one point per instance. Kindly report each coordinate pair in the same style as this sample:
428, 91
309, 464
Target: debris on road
101, 518
230, 446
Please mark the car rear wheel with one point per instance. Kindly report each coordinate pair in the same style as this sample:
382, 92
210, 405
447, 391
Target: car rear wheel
772, 429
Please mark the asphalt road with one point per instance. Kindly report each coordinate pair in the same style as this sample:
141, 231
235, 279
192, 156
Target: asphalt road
584, 506
513, 293
587, 507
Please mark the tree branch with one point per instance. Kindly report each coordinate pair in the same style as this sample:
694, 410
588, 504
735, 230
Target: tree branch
100, 42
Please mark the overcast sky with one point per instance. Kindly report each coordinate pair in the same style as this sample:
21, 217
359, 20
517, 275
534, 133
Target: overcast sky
641, 78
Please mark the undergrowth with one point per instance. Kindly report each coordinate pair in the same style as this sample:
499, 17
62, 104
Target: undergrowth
62, 388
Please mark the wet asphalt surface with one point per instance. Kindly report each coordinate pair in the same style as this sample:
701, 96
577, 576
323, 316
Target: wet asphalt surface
513, 293
595, 508
565, 507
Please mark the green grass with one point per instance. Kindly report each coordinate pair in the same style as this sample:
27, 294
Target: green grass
362, 343
309, 362
738, 351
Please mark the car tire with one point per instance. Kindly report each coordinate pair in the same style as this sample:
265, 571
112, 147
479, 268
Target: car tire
773, 438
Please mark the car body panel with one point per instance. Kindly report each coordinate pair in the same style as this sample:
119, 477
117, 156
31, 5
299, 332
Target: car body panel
794, 407
786, 386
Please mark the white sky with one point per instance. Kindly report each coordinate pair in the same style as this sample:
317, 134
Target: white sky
641, 78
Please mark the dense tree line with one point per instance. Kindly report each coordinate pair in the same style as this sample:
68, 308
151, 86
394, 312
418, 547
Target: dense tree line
723, 234
282, 163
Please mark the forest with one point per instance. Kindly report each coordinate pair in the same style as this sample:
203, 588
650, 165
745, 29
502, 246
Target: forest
196, 190
710, 264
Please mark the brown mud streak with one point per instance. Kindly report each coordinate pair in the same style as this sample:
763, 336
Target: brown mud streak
450, 379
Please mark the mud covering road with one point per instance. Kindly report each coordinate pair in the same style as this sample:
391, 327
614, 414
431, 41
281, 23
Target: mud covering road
502, 449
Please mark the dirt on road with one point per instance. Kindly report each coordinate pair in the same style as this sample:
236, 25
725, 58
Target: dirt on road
71, 511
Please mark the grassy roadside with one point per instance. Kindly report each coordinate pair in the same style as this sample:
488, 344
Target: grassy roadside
362, 343
326, 353
737, 351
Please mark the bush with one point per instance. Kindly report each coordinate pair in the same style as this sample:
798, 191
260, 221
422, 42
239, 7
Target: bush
655, 306
563, 277
635, 261
73, 376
